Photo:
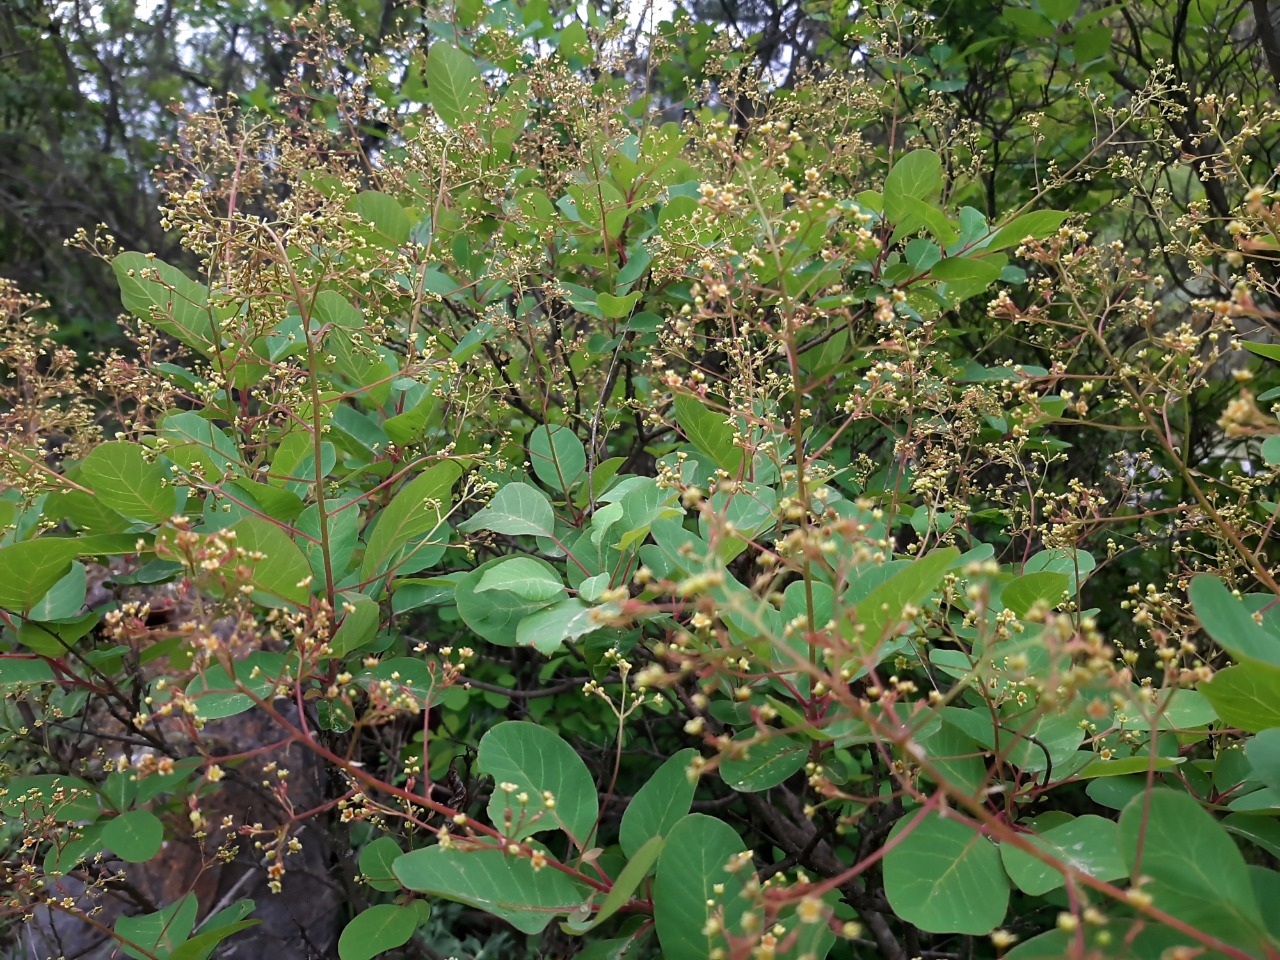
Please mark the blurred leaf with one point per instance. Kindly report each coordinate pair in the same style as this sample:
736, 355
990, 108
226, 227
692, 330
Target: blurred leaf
1230, 623
135, 836
376, 930
30, 569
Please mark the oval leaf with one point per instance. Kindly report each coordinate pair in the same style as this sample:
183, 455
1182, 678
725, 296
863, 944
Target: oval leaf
764, 764
1230, 623
660, 804
488, 879
517, 508
1196, 871
537, 762
558, 456
454, 83
135, 836
693, 885
944, 877
30, 569
377, 930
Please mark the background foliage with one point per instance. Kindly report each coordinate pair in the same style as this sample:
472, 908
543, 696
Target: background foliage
753, 480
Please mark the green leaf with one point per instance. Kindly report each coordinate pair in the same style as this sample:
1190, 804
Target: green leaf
77, 845
1038, 224
537, 762
517, 508
1265, 800
217, 696
1230, 623
1023, 593
65, 598
418, 508
376, 862
955, 758
376, 930
505, 886
1196, 871
495, 615
692, 884
363, 368
16, 669
454, 84
1262, 831
202, 944
1089, 844
191, 440
615, 308
708, 431
764, 764
165, 297
1184, 710
280, 505
965, 277
1074, 563
277, 567
558, 456
1263, 752
917, 175
385, 214
547, 629
913, 214
1149, 943
85, 512
1121, 766
637, 868
884, 606
615, 948
660, 804
33, 798
573, 42
30, 569
358, 626
1059, 11
405, 428
111, 544
944, 877
159, 933
1269, 350
526, 577
120, 476
54, 639
1026, 744
134, 837
1246, 696
1271, 450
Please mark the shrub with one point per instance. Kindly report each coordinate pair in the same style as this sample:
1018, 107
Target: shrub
614, 529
